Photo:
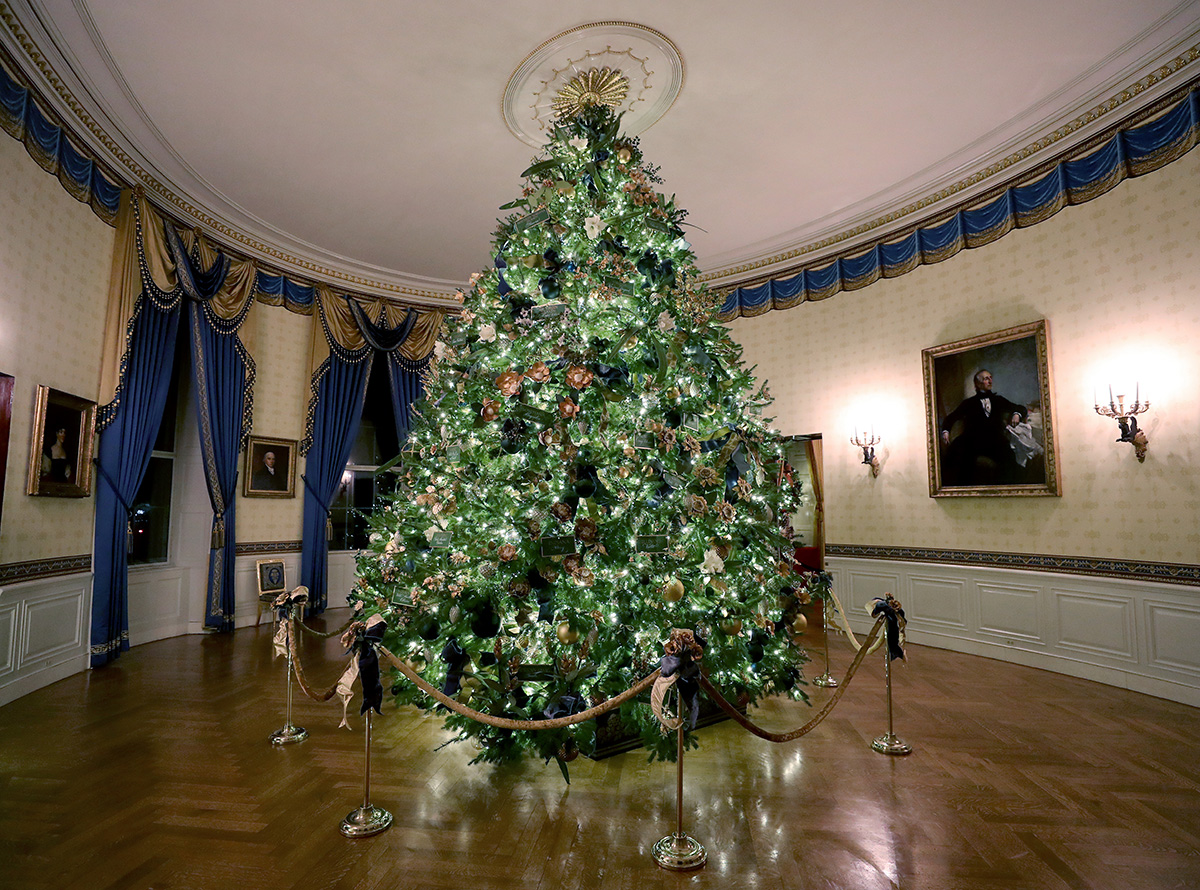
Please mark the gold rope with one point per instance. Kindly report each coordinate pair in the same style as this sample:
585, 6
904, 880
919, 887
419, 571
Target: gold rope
326, 635
506, 723
749, 725
324, 696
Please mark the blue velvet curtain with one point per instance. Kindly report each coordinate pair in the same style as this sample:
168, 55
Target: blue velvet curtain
124, 454
407, 387
221, 376
220, 372
340, 393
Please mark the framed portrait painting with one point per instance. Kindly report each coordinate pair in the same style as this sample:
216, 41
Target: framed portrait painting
990, 417
270, 578
60, 448
270, 470
6, 391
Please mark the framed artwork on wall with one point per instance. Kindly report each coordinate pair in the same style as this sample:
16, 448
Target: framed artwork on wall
990, 417
270, 470
60, 449
6, 390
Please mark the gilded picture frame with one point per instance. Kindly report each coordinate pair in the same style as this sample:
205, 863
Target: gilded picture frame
272, 578
60, 446
990, 415
270, 468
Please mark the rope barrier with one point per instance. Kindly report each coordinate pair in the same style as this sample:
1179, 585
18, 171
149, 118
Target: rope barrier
602, 708
779, 737
299, 668
506, 723
326, 635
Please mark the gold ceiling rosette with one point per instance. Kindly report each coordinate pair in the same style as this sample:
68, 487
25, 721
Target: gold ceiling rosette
596, 86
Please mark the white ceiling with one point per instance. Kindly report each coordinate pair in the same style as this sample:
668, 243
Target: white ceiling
369, 139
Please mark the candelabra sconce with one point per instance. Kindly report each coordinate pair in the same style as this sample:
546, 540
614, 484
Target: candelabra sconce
867, 443
1126, 418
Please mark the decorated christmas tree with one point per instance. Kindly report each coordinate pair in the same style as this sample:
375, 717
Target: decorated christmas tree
589, 469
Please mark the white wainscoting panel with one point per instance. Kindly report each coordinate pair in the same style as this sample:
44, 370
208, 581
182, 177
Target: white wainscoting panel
343, 575
1009, 611
53, 625
937, 602
1140, 635
8, 639
43, 632
1174, 635
157, 603
1097, 625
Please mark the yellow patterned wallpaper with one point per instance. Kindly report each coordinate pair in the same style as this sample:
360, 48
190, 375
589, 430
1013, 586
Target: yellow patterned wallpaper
281, 346
55, 258
1118, 280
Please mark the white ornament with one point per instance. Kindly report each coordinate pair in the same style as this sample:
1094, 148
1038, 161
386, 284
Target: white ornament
593, 226
713, 564
487, 333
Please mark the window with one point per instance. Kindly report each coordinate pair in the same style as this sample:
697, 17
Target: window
150, 521
362, 489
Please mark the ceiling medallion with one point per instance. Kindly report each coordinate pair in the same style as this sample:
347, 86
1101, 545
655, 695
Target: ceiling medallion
596, 86
583, 65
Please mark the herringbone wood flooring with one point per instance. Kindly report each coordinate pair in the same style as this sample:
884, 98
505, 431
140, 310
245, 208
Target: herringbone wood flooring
156, 773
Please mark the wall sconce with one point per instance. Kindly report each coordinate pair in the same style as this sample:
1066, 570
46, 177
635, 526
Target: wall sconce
1126, 417
867, 443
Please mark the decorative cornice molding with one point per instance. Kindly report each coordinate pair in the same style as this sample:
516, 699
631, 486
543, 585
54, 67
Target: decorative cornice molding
37, 569
1138, 570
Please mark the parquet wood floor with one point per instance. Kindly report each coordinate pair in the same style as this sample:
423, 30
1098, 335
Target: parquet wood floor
156, 773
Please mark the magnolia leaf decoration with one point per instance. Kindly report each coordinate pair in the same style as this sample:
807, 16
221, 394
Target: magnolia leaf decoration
596, 86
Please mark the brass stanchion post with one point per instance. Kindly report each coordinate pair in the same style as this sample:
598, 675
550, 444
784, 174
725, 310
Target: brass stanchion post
678, 852
367, 819
826, 680
888, 743
289, 734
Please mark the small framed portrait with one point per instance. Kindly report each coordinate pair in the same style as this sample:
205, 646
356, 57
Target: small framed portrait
60, 449
6, 391
270, 470
271, 578
988, 403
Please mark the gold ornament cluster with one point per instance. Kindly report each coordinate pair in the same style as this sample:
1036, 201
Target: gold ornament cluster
596, 86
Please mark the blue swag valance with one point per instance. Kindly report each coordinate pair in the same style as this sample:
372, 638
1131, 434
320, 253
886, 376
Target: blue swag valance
1129, 149
48, 144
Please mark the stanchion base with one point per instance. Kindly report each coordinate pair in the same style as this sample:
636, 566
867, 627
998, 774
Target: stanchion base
289, 735
826, 680
678, 852
366, 821
889, 744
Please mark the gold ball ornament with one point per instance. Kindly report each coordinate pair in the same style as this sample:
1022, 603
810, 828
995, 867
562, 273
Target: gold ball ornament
731, 626
566, 634
673, 591
799, 623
